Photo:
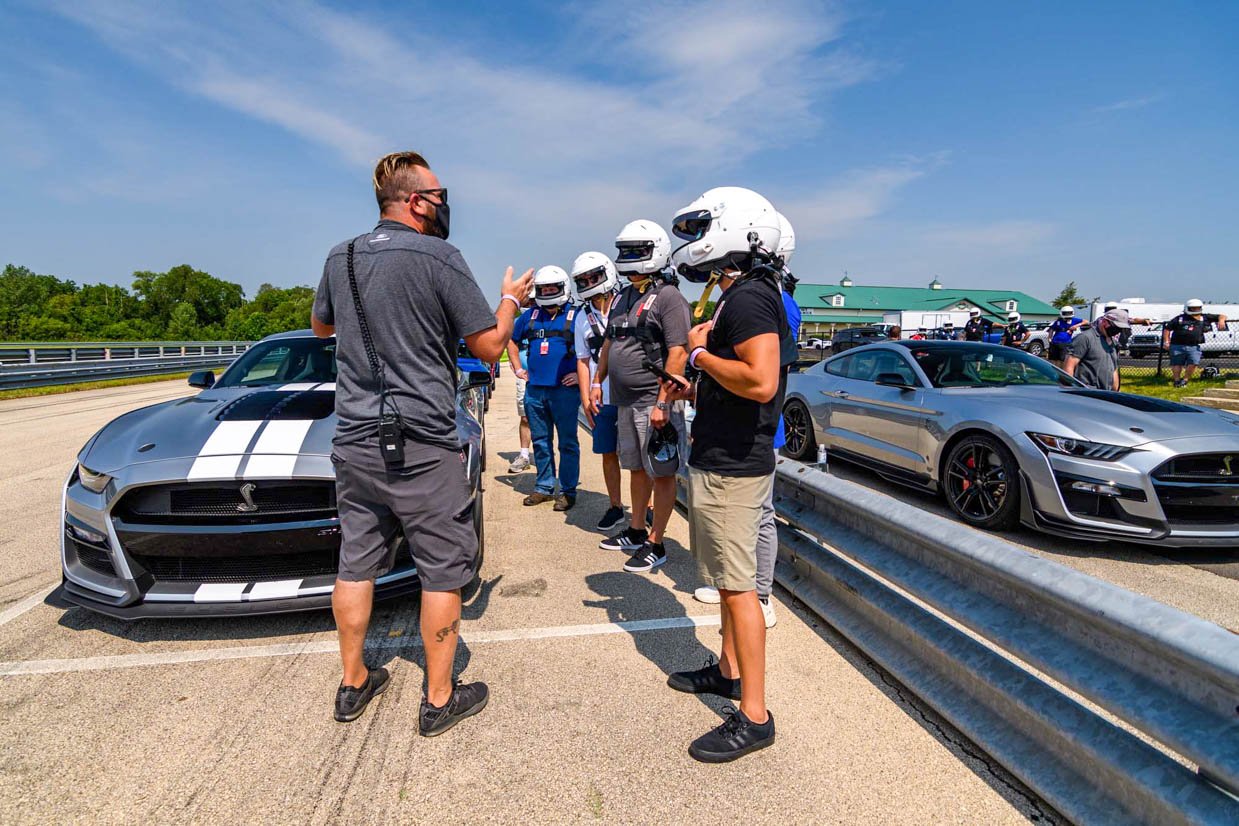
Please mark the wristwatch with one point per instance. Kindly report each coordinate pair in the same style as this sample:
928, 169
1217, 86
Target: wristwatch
661, 405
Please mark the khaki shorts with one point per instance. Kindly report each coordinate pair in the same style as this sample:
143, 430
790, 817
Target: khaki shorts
520, 397
724, 515
634, 433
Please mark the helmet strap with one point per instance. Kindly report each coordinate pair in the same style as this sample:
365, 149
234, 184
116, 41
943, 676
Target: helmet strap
700, 309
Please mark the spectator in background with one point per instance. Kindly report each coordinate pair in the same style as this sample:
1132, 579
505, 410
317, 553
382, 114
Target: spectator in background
1184, 336
894, 334
1062, 330
1093, 357
1015, 334
977, 327
946, 332
520, 370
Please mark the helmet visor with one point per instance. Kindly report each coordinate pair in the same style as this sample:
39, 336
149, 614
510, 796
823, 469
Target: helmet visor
692, 225
590, 278
554, 290
633, 251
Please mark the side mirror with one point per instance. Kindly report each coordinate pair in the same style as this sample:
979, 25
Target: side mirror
203, 378
477, 378
893, 380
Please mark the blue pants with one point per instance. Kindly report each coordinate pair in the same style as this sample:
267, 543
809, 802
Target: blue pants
554, 409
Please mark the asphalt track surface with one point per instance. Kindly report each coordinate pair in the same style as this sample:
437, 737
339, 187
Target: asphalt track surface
229, 720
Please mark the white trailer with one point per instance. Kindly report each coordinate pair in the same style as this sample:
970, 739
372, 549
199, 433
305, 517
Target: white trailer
912, 320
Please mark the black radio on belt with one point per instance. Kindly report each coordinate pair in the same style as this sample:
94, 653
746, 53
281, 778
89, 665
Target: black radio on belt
391, 440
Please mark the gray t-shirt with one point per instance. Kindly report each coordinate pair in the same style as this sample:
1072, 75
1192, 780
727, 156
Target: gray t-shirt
1098, 359
420, 300
630, 385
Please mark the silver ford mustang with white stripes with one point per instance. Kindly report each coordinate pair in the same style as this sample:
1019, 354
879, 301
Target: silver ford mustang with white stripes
224, 502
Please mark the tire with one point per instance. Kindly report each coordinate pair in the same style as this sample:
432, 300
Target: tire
798, 427
1036, 348
981, 483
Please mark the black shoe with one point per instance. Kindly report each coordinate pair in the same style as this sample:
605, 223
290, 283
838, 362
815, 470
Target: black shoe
564, 502
537, 498
736, 737
466, 701
351, 702
708, 680
649, 557
611, 518
626, 540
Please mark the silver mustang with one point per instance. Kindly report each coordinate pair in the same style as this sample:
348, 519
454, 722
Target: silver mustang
1007, 438
224, 502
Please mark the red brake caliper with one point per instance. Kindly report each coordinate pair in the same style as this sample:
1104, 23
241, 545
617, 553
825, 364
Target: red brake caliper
971, 464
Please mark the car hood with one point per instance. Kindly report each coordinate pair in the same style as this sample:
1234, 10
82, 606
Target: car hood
233, 420
1113, 418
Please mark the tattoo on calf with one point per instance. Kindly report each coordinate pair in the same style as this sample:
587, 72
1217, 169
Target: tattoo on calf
442, 633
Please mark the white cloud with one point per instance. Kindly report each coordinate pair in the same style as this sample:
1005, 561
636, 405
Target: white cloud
1128, 103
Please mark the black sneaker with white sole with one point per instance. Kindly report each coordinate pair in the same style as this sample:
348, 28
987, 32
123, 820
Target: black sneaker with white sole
351, 702
467, 700
613, 516
708, 680
649, 557
736, 737
626, 540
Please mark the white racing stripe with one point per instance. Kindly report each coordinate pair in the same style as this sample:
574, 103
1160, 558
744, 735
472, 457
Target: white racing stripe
302, 385
275, 455
220, 591
221, 455
281, 589
104, 663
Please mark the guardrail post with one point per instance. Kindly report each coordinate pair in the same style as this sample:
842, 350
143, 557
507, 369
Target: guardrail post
30, 356
72, 354
107, 353
1159, 361
161, 351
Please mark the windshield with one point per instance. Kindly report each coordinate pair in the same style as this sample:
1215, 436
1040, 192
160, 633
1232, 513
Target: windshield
983, 365
283, 361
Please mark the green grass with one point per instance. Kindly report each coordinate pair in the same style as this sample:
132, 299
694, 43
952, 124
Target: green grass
54, 389
1162, 387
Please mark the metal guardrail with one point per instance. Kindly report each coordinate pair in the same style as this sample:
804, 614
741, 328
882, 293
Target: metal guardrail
900, 583
39, 364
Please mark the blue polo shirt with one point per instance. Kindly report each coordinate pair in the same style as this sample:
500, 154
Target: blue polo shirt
1062, 328
548, 344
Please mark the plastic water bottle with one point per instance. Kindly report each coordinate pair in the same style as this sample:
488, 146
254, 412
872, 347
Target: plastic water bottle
823, 461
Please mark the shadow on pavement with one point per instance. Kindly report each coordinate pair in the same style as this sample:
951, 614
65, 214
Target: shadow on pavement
627, 597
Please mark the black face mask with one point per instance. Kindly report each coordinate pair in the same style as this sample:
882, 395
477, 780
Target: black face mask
441, 225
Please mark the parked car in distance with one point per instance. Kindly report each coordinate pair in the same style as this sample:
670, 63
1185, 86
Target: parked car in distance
1217, 342
815, 344
855, 337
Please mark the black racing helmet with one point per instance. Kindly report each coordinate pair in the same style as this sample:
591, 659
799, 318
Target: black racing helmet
663, 445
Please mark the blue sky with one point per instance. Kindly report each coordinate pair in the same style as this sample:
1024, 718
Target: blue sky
990, 144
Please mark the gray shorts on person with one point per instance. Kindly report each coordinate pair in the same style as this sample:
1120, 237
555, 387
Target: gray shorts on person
429, 498
634, 433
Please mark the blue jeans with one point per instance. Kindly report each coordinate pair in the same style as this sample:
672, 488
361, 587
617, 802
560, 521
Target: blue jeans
554, 409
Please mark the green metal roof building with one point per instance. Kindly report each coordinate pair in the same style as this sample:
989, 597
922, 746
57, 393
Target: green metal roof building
826, 307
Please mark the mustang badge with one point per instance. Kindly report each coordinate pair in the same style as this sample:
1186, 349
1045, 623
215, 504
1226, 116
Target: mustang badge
1226, 469
247, 495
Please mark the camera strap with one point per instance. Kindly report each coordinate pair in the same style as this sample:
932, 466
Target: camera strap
391, 436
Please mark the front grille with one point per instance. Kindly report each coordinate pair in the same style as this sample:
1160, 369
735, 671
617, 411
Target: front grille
1199, 489
241, 568
217, 503
96, 559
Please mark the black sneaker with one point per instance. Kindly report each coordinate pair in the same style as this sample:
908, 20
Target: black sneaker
466, 701
626, 540
611, 518
736, 737
351, 702
649, 557
708, 680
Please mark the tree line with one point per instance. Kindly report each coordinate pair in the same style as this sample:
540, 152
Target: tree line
182, 304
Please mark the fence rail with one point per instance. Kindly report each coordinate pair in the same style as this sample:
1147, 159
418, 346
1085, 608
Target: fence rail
900, 583
39, 364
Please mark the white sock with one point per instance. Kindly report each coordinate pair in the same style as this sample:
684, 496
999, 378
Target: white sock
524, 453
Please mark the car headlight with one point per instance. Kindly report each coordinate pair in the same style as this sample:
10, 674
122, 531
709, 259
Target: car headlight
1079, 447
90, 480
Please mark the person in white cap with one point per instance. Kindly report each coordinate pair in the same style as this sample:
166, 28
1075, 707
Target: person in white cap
1184, 337
1093, 355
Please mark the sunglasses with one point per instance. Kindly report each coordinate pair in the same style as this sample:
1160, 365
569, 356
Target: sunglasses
439, 192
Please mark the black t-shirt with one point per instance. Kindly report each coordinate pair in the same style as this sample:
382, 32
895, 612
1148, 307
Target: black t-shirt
1012, 332
976, 329
732, 435
1184, 329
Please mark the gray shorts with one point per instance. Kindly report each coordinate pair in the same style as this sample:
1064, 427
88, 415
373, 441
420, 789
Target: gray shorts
520, 397
429, 499
634, 430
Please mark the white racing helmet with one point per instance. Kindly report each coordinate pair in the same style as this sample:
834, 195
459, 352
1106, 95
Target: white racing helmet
643, 248
1066, 311
1193, 305
974, 313
593, 274
550, 286
1012, 318
787, 239
714, 232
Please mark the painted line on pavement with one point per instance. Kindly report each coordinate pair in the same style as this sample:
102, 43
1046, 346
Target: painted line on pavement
105, 663
18, 608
